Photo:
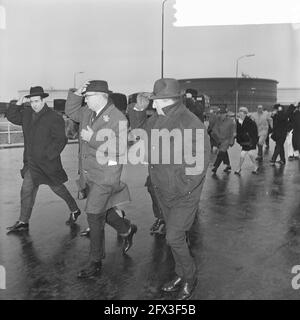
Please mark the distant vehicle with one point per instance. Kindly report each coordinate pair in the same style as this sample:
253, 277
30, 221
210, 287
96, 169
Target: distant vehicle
215, 108
3, 108
59, 105
204, 100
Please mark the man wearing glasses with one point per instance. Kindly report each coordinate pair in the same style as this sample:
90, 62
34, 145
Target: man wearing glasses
44, 140
101, 168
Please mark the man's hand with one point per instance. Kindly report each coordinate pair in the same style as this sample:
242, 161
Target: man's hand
22, 100
142, 101
86, 134
82, 89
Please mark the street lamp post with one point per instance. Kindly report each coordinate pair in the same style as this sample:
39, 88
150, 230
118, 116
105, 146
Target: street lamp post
236, 79
75, 74
162, 37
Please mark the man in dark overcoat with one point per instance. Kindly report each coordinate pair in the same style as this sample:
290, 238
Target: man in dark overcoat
223, 133
101, 167
280, 130
296, 130
44, 140
177, 189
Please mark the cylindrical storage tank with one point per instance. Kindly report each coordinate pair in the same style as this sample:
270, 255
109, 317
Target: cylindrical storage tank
251, 91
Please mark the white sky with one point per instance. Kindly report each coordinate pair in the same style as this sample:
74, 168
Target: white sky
242, 12
46, 41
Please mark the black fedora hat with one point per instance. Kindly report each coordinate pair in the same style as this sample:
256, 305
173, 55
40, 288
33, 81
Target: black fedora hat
97, 86
37, 91
166, 88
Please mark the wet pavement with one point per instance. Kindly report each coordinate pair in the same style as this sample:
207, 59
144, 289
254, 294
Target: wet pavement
245, 244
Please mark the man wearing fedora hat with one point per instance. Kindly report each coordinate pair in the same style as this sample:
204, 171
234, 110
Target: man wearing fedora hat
105, 189
223, 133
44, 140
178, 193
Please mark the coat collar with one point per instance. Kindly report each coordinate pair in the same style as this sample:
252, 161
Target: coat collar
173, 112
103, 115
39, 114
172, 109
246, 121
109, 102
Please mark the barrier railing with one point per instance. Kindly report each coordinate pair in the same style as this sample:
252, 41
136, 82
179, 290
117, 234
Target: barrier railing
8, 129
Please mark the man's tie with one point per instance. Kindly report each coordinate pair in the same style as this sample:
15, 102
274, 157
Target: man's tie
94, 115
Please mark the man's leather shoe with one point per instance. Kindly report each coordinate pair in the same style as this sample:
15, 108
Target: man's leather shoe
73, 217
85, 233
282, 162
227, 169
187, 290
214, 170
128, 239
91, 270
172, 285
18, 226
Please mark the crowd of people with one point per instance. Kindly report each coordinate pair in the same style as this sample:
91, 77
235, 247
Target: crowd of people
251, 131
175, 194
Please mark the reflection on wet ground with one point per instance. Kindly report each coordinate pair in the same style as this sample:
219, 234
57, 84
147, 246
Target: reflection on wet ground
245, 242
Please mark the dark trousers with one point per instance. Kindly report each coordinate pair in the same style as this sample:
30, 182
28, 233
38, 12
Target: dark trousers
268, 140
260, 150
222, 157
28, 195
97, 233
179, 221
279, 150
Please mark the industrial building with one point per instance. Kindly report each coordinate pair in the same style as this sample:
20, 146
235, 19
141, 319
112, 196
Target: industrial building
251, 91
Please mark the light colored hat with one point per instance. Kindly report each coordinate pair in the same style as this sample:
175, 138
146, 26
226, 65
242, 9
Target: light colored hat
244, 109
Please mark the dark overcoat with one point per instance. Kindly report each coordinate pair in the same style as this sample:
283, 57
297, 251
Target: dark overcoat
196, 108
247, 134
296, 130
93, 168
171, 182
44, 140
223, 132
280, 126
